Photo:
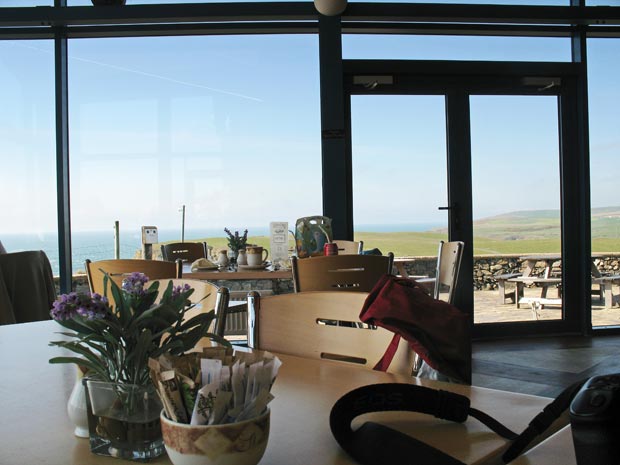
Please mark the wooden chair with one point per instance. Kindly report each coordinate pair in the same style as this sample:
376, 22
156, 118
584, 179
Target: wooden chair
349, 247
118, 269
206, 296
303, 324
448, 265
446, 277
352, 273
186, 251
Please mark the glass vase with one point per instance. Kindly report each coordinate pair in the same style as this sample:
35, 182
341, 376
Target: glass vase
123, 420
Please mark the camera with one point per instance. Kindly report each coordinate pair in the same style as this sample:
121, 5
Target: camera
595, 421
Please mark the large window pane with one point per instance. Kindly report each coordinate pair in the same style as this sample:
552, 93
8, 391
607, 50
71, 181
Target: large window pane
27, 157
411, 47
397, 139
516, 205
227, 126
483, 2
604, 108
20, 3
154, 2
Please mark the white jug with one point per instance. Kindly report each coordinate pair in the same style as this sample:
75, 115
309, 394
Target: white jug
222, 260
242, 258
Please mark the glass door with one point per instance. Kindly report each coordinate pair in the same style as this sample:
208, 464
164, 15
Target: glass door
516, 208
485, 169
396, 139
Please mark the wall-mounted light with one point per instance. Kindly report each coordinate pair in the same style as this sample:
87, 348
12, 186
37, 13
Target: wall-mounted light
330, 7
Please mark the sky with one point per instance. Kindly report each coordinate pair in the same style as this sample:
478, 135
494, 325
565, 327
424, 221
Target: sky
230, 127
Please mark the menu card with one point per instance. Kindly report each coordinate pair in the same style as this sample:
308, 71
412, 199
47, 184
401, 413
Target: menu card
278, 238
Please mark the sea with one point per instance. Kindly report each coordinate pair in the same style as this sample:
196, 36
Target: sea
99, 245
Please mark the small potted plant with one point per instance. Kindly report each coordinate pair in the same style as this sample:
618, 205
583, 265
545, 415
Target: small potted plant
114, 346
236, 242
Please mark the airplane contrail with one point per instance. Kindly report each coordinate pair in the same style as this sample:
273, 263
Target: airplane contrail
152, 75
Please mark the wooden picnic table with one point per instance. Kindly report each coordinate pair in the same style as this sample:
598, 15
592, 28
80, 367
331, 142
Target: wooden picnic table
530, 261
547, 280
544, 283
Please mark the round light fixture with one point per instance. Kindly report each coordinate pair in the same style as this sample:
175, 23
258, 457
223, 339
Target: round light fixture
330, 7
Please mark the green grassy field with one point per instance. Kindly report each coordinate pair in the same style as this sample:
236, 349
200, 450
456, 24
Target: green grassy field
404, 244
511, 233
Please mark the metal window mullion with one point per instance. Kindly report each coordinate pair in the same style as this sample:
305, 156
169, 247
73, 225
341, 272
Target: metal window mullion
62, 159
336, 159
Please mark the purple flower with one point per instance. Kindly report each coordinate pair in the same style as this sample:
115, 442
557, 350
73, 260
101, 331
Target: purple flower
64, 307
89, 306
134, 284
94, 308
177, 290
236, 242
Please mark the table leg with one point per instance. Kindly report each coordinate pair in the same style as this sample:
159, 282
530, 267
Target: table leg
608, 299
501, 287
518, 292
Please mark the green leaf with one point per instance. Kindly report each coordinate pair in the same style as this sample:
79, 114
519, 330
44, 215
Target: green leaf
138, 357
85, 363
200, 319
79, 349
78, 325
219, 339
174, 347
190, 338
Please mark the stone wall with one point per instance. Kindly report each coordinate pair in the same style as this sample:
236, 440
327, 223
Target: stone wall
486, 267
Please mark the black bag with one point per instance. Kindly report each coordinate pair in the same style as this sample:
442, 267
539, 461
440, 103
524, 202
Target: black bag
376, 444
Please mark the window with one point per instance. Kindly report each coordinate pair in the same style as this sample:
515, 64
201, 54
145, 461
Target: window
604, 112
205, 122
27, 148
410, 47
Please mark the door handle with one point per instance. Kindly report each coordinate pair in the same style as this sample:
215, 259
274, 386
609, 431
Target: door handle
454, 214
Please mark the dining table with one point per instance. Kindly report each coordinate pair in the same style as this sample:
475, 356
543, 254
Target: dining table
238, 274
557, 449
36, 429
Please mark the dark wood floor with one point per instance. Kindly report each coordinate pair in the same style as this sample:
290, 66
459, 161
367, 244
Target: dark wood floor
543, 366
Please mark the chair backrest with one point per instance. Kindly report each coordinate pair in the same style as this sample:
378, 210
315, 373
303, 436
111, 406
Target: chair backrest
306, 325
349, 247
118, 269
448, 266
206, 296
186, 251
352, 273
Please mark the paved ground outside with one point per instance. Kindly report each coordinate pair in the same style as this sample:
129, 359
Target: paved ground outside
488, 309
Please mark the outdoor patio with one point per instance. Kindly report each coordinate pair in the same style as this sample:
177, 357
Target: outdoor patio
490, 310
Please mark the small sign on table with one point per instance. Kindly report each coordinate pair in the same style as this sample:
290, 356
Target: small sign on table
278, 238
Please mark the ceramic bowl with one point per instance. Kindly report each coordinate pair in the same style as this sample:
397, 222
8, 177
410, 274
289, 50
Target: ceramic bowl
242, 443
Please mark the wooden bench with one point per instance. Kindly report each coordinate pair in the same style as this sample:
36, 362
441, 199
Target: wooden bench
501, 287
543, 283
606, 284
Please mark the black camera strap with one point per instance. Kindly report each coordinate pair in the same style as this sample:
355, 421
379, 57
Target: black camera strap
376, 444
